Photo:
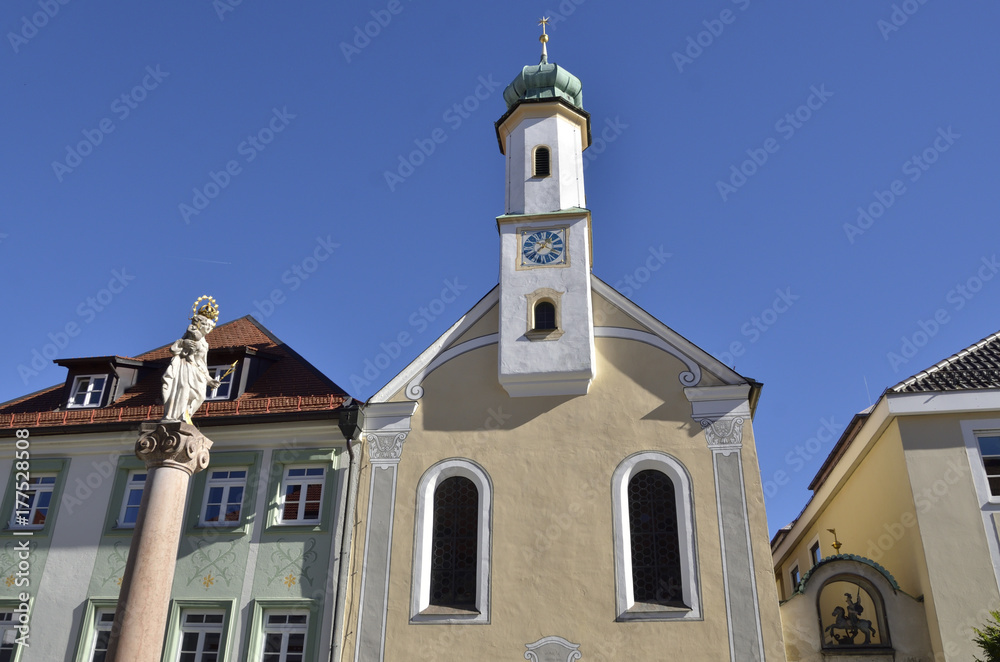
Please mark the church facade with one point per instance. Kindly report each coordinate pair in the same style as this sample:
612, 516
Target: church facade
560, 475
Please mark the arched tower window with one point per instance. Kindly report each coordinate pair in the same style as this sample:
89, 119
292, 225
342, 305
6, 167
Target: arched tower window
454, 546
541, 162
656, 561
545, 316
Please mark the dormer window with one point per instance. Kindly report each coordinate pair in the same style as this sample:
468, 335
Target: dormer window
223, 390
540, 167
87, 391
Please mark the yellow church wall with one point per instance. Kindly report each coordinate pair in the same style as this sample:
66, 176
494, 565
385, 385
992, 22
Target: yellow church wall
874, 515
553, 569
484, 326
962, 585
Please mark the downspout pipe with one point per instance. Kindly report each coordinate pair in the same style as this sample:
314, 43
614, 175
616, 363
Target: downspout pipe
348, 426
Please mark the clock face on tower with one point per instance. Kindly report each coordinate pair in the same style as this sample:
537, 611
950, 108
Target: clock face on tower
542, 248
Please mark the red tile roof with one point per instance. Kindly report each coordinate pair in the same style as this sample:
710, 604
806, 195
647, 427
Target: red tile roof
290, 384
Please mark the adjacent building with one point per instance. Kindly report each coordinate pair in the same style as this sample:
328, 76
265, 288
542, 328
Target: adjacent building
259, 559
559, 476
903, 521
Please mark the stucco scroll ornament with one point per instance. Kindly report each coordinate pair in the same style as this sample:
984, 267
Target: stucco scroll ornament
724, 433
552, 649
187, 379
385, 447
173, 444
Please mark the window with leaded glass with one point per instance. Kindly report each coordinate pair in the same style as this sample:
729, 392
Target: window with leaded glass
284, 636
454, 544
655, 544
201, 636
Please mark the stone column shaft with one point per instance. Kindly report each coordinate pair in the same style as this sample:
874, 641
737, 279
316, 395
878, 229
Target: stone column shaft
172, 451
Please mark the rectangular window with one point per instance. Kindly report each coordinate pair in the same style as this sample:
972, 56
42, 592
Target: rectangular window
31, 506
284, 636
201, 636
102, 634
989, 448
132, 499
222, 392
814, 553
8, 636
224, 497
302, 494
87, 391
793, 575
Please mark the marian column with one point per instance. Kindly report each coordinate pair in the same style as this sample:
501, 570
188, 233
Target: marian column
173, 449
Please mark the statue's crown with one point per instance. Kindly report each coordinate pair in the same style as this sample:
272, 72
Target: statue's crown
208, 310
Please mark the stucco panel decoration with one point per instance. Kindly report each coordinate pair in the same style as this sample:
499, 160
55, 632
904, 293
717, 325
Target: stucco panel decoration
385, 448
173, 444
552, 649
723, 433
213, 558
414, 391
689, 377
115, 565
291, 565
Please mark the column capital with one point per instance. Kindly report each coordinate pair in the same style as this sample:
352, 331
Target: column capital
721, 412
385, 426
173, 444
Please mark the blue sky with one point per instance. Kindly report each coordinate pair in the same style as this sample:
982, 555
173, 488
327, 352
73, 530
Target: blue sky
154, 153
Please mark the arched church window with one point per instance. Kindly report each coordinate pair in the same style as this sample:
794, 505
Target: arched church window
541, 162
656, 561
454, 546
852, 614
545, 316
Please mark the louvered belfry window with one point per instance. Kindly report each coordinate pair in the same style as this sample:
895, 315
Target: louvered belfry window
454, 547
542, 162
656, 559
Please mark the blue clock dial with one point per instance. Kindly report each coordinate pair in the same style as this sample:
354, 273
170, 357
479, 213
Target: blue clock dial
544, 247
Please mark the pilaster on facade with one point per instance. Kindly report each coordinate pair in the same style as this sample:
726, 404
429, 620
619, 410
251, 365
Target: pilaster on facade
722, 412
384, 427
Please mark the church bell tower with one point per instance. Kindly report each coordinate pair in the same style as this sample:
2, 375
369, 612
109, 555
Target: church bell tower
546, 312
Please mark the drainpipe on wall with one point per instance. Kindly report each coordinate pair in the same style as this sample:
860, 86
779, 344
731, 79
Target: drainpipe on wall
349, 427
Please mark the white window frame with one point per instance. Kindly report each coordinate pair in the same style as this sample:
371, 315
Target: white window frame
201, 629
287, 480
226, 484
98, 627
423, 540
286, 628
627, 609
819, 548
227, 382
93, 398
120, 524
972, 430
34, 489
9, 625
793, 582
